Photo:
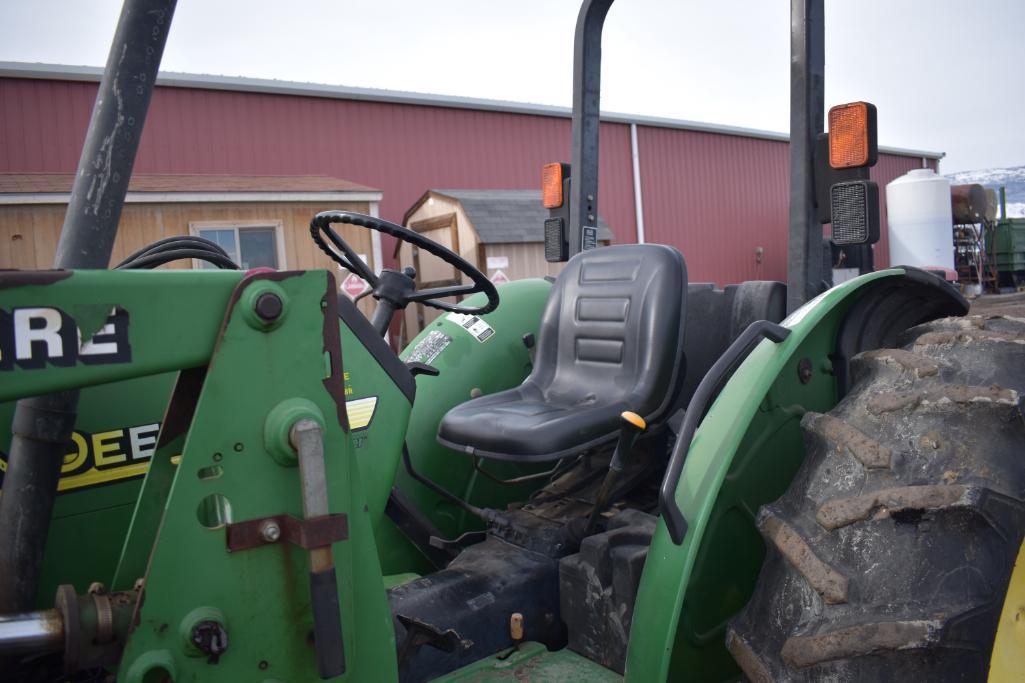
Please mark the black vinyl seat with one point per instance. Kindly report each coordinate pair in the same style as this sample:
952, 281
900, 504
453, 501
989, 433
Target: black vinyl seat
611, 339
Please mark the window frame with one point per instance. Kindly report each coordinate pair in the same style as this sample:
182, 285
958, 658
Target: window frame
277, 225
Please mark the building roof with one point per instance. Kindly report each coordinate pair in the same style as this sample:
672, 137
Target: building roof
503, 216
177, 182
33, 188
263, 85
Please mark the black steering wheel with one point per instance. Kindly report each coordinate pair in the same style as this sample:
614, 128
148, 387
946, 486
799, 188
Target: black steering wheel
393, 289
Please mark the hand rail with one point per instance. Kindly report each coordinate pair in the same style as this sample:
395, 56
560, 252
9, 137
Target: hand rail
696, 409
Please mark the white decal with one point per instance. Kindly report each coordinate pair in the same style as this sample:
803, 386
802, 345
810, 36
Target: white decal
27, 331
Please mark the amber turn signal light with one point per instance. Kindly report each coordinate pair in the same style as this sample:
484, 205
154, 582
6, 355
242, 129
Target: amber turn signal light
551, 185
852, 135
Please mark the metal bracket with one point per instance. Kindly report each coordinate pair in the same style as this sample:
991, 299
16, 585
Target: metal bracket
307, 534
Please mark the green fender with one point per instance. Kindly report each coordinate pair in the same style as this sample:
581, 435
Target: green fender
467, 366
744, 454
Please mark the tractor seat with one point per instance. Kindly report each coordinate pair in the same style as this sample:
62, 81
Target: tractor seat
611, 339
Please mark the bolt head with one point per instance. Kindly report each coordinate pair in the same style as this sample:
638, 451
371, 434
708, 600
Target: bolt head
269, 306
804, 370
270, 531
210, 638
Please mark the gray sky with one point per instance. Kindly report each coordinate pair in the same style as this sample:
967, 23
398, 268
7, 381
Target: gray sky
945, 74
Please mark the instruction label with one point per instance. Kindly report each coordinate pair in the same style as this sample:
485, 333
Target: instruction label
480, 330
588, 237
429, 348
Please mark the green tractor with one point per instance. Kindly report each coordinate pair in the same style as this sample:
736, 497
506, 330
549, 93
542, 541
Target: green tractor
226, 475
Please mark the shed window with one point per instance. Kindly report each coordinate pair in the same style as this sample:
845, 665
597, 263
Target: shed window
250, 246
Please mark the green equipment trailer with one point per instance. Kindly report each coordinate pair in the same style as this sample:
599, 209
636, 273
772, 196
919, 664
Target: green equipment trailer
1006, 251
226, 475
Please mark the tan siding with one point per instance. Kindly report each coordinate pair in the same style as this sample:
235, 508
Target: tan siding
28, 234
526, 259
16, 229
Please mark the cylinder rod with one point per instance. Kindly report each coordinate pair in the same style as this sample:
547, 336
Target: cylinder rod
31, 633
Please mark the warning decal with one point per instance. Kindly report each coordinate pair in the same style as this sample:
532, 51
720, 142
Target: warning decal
361, 412
480, 329
429, 348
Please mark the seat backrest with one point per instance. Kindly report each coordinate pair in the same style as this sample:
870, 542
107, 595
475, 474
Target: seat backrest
716, 317
612, 329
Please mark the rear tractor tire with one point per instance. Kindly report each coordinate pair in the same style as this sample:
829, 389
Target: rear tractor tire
890, 554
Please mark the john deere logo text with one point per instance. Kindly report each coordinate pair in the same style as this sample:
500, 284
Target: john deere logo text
104, 457
32, 338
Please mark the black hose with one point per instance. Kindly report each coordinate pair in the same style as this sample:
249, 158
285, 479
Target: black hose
176, 248
159, 258
176, 241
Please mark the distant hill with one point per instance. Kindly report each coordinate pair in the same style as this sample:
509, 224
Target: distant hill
1012, 178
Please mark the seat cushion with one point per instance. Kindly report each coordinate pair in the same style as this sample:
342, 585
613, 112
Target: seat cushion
520, 425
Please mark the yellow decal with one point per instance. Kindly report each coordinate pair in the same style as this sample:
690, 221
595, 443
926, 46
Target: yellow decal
106, 457
361, 412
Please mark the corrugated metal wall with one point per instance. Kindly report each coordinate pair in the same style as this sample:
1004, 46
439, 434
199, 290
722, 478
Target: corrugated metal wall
716, 197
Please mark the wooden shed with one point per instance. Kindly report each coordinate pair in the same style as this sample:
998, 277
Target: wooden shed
259, 220
499, 231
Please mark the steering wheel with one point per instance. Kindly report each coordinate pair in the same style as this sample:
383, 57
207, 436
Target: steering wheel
393, 289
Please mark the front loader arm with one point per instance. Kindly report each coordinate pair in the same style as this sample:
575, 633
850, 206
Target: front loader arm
71, 329
252, 547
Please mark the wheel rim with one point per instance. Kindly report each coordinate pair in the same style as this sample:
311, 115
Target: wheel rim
1007, 662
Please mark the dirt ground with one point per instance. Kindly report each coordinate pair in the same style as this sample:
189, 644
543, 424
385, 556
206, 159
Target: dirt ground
1003, 304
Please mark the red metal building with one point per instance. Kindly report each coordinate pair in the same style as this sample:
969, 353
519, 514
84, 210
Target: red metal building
719, 194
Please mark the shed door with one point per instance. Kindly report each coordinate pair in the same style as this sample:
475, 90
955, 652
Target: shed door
430, 270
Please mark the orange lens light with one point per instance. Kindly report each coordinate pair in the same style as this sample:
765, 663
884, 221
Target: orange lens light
551, 185
850, 135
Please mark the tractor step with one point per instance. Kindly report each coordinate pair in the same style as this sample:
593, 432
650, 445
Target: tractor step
533, 662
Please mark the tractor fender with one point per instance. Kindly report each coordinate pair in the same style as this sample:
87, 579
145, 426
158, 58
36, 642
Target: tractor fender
744, 453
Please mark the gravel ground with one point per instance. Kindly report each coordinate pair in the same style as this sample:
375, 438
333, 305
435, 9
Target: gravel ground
1003, 304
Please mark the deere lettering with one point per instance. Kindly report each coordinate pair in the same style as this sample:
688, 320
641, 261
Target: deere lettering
32, 337
103, 457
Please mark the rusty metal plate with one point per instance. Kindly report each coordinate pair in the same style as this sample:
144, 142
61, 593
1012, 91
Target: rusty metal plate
311, 533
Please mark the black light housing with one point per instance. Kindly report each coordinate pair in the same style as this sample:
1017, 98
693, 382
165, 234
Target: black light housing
556, 246
854, 208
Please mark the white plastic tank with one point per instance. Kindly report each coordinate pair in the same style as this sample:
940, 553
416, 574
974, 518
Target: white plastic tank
919, 218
